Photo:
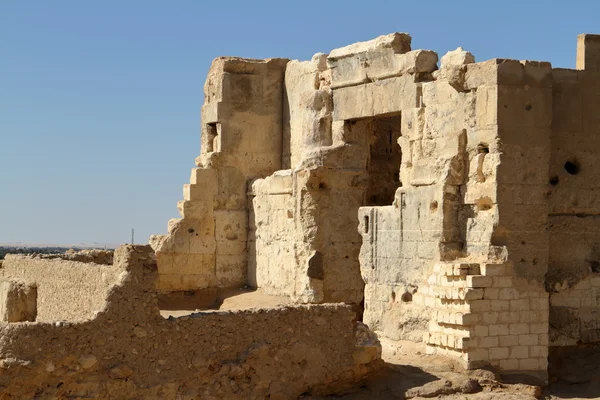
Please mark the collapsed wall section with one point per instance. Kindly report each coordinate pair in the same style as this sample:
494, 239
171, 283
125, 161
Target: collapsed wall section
241, 140
55, 289
129, 348
489, 305
344, 121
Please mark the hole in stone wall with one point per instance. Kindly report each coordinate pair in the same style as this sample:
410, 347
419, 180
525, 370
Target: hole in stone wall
553, 180
528, 106
366, 222
433, 206
483, 203
483, 148
393, 296
406, 297
572, 167
211, 136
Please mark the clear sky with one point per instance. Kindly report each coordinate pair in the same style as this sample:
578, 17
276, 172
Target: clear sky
100, 100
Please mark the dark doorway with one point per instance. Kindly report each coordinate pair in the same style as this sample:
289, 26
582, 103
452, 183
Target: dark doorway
383, 164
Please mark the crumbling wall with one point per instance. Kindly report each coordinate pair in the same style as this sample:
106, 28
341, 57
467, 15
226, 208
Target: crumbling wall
65, 290
573, 278
241, 141
128, 350
489, 304
273, 235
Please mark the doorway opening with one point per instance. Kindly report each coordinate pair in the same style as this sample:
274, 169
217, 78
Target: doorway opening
385, 156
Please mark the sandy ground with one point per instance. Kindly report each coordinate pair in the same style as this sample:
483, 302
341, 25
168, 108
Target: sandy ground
409, 373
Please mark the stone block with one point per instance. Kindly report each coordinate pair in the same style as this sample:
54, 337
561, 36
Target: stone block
18, 302
519, 352
499, 353
479, 281
588, 53
381, 97
499, 330
519, 329
508, 340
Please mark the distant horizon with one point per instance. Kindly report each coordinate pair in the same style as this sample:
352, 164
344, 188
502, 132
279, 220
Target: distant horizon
64, 245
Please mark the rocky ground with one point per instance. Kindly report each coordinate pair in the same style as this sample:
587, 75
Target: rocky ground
409, 373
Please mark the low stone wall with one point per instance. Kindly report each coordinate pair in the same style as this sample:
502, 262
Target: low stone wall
129, 351
66, 290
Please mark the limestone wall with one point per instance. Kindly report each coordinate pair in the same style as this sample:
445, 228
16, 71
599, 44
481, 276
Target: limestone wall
457, 204
241, 141
66, 290
129, 351
573, 191
273, 235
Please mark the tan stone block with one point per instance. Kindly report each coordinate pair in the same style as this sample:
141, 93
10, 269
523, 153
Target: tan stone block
491, 294
481, 73
490, 341
519, 329
543, 339
498, 353
231, 225
495, 270
426, 337
18, 302
519, 305
477, 355
529, 364
509, 365
502, 281
461, 342
500, 305
528, 340
185, 263
444, 340
479, 281
487, 107
509, 294
527, 316
231, 247
499, 330
380, 97
471, 294
490, 317
480, 305
206, 178
508, 340
480, 330
519, 352
231, 270
508, 317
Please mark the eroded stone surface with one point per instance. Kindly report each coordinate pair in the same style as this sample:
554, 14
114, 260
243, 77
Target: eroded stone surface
127, 350
472, 188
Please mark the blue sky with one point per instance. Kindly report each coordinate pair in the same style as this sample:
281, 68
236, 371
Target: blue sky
100, 100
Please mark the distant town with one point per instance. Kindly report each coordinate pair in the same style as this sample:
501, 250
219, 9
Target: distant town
42, 249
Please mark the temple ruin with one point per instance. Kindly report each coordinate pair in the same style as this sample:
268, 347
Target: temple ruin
448, 202
451, 204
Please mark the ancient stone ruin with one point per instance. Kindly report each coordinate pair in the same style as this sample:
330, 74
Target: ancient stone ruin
449, 202
456, 205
